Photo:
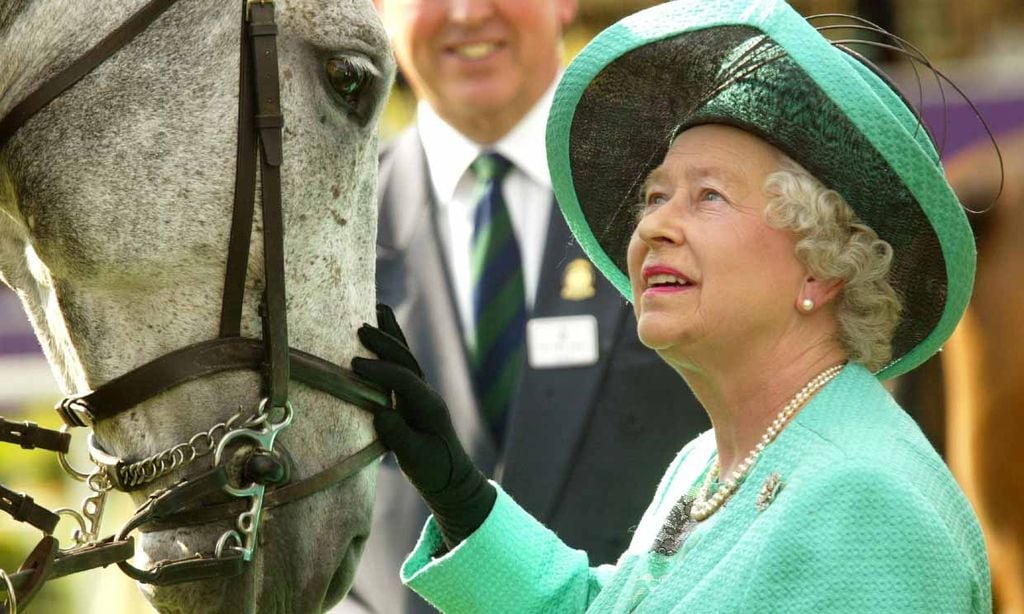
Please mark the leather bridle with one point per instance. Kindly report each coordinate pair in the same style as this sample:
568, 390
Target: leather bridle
188, 502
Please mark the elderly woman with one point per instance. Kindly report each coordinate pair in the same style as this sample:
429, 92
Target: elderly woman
782, 225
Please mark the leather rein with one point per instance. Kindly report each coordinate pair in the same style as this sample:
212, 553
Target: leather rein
209, 496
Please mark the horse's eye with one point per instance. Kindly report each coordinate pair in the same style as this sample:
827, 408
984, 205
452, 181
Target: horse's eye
350, 79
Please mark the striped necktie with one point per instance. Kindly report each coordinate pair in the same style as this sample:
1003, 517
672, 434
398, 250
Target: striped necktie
499, 304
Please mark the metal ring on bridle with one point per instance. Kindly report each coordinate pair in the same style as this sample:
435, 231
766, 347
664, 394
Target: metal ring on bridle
98, 481
222, 542
12, 595
62, 458
77, 517
263, 418
265, 409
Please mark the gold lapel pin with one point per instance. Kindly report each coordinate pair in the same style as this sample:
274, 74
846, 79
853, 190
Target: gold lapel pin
771, 487
578, 282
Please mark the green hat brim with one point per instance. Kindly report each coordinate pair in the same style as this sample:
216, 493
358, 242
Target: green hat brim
630, 90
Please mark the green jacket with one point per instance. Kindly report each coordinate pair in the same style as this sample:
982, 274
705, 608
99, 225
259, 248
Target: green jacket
868, 519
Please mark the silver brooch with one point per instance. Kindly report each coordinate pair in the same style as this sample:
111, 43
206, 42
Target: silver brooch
771, 487
677, 527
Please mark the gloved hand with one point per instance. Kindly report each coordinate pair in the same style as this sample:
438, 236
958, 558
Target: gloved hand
419, 431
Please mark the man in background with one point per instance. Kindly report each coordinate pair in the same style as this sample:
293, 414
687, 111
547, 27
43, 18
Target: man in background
536, 355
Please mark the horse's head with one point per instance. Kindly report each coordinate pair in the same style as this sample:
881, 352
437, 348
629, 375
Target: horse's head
115, 209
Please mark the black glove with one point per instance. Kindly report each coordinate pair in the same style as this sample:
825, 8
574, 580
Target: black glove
420, 433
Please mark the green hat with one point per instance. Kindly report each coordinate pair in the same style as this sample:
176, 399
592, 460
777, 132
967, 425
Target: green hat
759, 66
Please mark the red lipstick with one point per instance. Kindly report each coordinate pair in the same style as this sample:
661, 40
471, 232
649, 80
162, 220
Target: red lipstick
661, 279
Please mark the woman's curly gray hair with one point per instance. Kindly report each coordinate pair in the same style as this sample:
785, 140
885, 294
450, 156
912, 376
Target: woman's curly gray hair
834, 244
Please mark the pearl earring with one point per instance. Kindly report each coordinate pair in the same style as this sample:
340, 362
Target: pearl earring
807, 304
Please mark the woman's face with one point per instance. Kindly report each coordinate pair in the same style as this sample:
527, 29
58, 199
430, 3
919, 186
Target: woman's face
708, 273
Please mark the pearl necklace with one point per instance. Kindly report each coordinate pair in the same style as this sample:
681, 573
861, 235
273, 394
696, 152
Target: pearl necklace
706, 504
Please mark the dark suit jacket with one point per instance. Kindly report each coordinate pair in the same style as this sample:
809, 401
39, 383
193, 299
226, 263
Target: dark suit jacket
585, 445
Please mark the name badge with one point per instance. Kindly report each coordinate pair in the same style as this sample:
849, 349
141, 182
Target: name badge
567, 341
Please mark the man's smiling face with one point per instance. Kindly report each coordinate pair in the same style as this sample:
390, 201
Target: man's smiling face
478, 60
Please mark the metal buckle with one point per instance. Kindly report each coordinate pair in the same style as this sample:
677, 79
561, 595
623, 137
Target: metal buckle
249, 3
75, 411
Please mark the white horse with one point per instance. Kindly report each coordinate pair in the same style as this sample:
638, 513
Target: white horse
115, 207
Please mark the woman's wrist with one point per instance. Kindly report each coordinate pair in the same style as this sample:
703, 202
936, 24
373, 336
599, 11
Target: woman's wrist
460, 510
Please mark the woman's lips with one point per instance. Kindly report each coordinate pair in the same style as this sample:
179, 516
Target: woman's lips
661, 279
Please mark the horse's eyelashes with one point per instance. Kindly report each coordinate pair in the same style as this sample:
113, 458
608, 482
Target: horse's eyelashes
351, 80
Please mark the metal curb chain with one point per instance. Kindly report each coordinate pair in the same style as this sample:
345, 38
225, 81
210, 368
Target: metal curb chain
162, 463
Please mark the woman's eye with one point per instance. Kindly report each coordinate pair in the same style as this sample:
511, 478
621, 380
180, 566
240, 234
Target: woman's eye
711, 195
351, 79
655, 199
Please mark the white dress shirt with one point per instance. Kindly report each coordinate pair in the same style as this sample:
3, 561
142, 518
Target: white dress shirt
526, 188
